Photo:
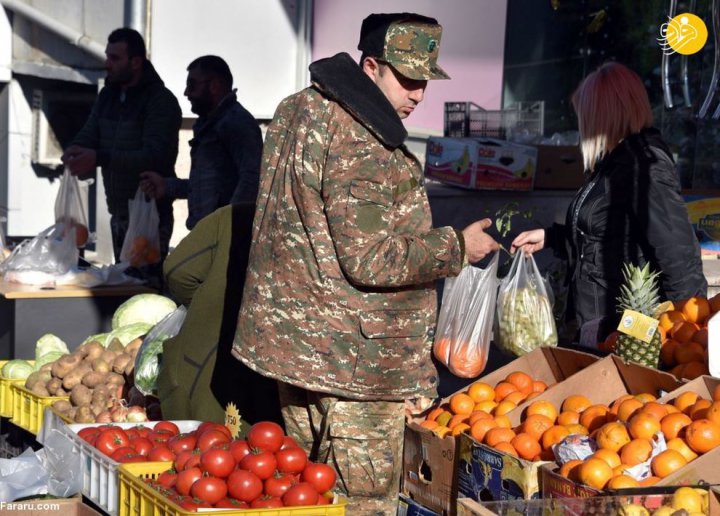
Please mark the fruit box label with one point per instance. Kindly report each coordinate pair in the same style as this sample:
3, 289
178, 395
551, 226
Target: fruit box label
504, 165
451, 160
486, 474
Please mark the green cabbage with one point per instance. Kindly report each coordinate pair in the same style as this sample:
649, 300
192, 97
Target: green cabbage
144, 308
48, 358
49, 343
17, 370
128, 333
100, 337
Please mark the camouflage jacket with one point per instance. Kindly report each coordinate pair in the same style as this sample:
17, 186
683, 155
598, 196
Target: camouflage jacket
339, 294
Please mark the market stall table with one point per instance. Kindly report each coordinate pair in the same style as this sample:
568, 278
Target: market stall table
72, 313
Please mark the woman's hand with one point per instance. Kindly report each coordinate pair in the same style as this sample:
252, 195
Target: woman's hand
529, 241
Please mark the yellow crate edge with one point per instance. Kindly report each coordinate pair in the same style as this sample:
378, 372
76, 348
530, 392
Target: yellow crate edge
31, 419
130, 477
6, 393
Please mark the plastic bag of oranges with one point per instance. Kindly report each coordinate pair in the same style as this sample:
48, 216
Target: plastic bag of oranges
142, 240
464, 330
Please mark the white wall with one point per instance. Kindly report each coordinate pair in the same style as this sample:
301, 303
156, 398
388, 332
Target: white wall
5, 46
256, 37
471, 49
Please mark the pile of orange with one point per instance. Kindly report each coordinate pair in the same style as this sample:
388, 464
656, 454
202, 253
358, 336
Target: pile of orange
683, 328
689, 423
482, 405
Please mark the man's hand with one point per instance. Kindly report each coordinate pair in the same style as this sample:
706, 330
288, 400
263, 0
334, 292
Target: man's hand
80, 160
153, 185
478, 244
529, 241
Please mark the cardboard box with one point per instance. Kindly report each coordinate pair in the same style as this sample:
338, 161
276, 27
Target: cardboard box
430, 463
503, 165
575, 506
409, 507
481, 163
704, 215
559, 167
701, 470
488, 474
43, 507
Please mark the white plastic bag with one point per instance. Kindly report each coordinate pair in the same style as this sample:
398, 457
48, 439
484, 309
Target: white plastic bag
525, 316
464, 330
53, 251
142, 240
69, 209
147, 361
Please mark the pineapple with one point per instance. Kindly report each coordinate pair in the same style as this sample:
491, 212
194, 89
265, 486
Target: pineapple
639, 292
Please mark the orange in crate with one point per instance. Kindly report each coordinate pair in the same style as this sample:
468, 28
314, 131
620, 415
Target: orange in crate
612, 436
702, 435
595, 473
667, 462
696, 309
609, 456
635, 452
526, 445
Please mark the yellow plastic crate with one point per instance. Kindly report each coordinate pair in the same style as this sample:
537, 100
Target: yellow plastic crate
6, 393
29, 408
138, 499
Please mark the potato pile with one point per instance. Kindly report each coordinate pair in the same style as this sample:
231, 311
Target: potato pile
94, 377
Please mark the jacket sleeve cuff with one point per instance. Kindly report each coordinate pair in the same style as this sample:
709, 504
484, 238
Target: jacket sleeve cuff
461, 242
102, 158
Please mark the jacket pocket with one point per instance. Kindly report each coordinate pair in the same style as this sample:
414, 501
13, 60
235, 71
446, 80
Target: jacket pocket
382, 324
372, 192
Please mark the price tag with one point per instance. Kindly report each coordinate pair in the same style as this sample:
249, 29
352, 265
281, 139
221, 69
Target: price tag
638, 325
232, 419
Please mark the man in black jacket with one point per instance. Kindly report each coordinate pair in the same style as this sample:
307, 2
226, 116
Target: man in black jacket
133, 127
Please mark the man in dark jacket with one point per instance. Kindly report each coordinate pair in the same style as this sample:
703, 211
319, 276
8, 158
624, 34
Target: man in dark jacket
225, 150
133, 127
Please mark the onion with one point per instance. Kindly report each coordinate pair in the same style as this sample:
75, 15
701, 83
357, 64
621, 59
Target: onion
104, 417
119, 414
136, 414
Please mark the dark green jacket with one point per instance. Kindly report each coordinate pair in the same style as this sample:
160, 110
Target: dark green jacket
132, 132
198, 376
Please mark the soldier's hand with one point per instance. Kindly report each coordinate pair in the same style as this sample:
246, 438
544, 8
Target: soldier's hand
153, 185
79, 160
478, 244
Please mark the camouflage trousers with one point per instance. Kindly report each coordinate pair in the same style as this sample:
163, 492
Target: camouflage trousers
362, 440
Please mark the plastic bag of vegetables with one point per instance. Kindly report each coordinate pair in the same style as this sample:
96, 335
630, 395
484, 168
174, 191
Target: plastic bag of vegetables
464, 330
525, 316
147, 361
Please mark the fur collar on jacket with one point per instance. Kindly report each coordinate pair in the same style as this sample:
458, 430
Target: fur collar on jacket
342, 80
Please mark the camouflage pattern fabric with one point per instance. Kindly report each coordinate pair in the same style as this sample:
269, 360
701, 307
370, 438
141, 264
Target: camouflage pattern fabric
339, 294
362, 440
412, 48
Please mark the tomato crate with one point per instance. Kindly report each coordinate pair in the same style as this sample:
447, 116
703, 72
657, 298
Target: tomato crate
6, 393
100, 472
139, 499
29, 408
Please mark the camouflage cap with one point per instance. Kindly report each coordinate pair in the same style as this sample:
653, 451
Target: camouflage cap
409, 42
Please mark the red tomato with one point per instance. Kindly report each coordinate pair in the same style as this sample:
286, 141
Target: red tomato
300, 494
204, 427
182, 458
167, 425
218, 463
277, 484
142, 431
209, 489
186, 479
244, 485
167, 479
142, 446
159, 436
266, 502
291, 460
210, 438
132, 433
123, 452
161, 453
266, 435
192, 505
289, 442
239, 448
263, 464
90, 430
110, 440
324, 500
321, 476
231, 503
182, 442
